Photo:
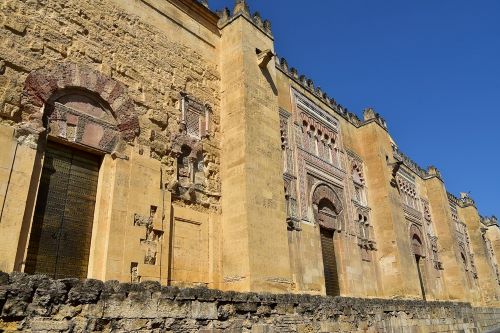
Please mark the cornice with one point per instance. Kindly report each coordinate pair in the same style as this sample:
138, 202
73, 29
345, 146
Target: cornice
198, 11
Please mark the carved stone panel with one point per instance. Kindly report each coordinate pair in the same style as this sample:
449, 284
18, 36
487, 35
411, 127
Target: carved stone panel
327, 207
84, 126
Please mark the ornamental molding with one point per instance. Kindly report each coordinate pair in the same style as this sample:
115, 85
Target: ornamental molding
312, 109
41, 86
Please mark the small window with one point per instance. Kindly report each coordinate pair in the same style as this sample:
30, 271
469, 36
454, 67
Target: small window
196, 117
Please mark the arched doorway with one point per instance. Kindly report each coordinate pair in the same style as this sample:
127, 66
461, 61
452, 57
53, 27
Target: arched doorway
326, 207
77, 128
418, 252
465, 264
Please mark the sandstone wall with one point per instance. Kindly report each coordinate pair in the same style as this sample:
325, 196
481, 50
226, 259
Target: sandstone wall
152, 50
38, 304
133, 43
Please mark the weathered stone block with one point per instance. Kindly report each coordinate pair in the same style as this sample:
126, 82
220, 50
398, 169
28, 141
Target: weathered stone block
48, 325
204, 310
87, 292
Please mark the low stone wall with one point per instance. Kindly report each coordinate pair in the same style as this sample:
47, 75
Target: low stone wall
38, 304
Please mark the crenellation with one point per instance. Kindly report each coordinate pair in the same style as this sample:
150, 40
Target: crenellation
309, 85
241, 8
412, 165
489, 220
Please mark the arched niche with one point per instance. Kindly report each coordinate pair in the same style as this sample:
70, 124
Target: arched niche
326, 207
463, 256
416, 239
82, 118
56, 100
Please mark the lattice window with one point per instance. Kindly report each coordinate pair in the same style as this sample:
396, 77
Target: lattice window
193, 123
195, 117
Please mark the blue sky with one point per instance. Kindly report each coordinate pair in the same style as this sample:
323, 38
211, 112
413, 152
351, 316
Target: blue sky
431, 68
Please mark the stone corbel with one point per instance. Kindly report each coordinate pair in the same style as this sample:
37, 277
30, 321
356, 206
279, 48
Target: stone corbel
293, 224
395, 168
263, 57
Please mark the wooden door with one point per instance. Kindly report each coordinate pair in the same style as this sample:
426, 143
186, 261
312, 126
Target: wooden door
62, 224
329, 263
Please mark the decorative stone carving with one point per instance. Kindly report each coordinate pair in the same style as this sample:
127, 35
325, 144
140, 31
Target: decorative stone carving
327, 207
134, 273
196, 173
316, 146
409, 196
417, 240
285, 142
462, 238
195, 117
293, 222
435, 252
150, 257
490, 252
432, 240
152, 237
42, 85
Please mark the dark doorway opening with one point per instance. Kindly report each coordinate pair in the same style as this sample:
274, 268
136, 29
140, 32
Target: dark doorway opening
61, 232
419, 269
329, 263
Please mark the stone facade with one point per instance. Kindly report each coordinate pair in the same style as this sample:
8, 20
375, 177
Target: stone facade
220, 166
35, 303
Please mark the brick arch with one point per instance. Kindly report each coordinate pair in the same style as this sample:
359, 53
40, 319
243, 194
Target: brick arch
41, 85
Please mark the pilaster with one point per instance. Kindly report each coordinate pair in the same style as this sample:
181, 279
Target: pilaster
253, 200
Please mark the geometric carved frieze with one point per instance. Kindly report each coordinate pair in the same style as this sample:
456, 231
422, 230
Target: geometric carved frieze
304, 104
